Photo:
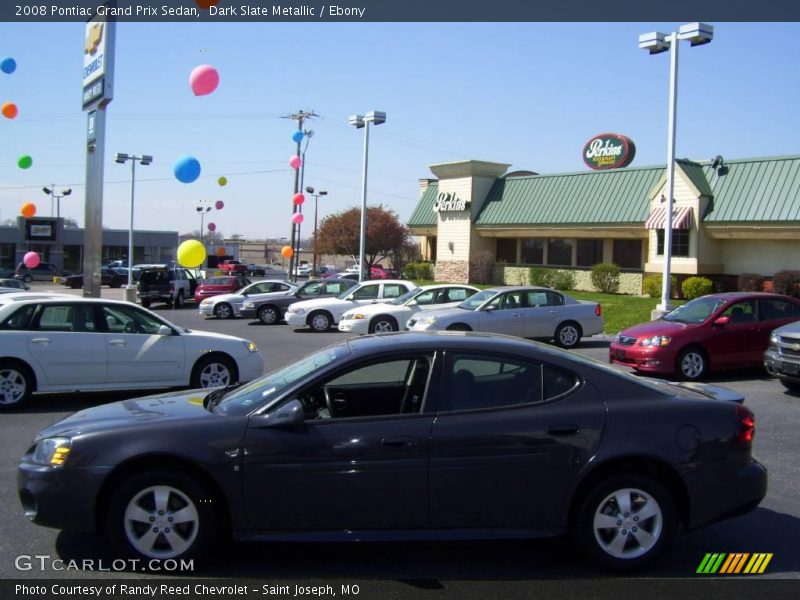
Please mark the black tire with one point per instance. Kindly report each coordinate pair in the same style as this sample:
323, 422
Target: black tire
74, 285
791, 385
383, 324
269, 315
146, 302
692, 364
223, 310
568, 334
174, 539
16, 384
179, 300
115, 284
634, 538
320, 321
213, 371
459, 327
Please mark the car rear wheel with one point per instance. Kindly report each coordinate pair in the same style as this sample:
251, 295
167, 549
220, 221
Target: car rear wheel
268, 315
568, 334
320, 321
179, 299
791, 385
223, 310
213, 371
692, 364
626, 522
383, 324
146, 302
16, 385
161, 514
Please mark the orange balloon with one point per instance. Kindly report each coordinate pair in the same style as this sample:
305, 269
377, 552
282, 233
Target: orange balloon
9, 110
220, 251
287, 252
28, 210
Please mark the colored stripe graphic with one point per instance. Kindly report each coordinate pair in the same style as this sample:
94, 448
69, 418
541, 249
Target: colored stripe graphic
734, 563
758, 563
710, 563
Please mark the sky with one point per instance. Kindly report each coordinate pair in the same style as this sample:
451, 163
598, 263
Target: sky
526, 94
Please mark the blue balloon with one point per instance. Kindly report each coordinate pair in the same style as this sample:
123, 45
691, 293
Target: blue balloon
187, 169
8, 65
297, 136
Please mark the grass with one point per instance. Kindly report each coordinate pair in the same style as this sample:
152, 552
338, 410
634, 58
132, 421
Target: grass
619, 311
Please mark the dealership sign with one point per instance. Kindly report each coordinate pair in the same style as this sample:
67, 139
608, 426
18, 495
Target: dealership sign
608, 151
446, 201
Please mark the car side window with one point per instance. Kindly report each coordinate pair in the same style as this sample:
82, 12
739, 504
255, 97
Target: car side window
20, 318
508, 301
775, 310
393, 290
66, 317
335, 288
314, 289
536, 299
426, 297
388, 387
741, 312
125, 319
455, 294
368, 292
554, 299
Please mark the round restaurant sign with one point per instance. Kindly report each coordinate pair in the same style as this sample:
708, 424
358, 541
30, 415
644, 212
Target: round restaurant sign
608, 151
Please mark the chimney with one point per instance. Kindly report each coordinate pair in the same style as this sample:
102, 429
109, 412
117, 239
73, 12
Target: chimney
424, 184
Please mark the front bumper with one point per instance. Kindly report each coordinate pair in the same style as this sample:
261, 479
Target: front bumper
648, 360
206, 310
296, 319
250, 367
778, 365
359, 326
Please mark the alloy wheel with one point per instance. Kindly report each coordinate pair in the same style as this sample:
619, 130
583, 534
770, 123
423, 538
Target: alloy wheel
628, 523
161, 522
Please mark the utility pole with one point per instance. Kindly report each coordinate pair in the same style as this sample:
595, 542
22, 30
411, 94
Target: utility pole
300, 116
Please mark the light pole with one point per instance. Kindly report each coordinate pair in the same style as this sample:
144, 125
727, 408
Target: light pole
656, 42
283, 241
203, 208
310, 190
359, 121
144, 160
308, 134
51, 191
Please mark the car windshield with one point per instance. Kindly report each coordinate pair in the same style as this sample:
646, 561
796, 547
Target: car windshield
264, 389
406, 297
473, 302
695, 311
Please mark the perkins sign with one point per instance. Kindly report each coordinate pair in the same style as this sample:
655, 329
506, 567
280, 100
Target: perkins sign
608, 151
446, 201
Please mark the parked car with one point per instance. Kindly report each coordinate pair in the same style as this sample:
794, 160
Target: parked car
227, 306
531, 312
302, 271
69, 344
7, 272
341, 275
11, 282
421, 436
273, 309
173, 285
110, 277
42, 272
378, 272
782, 358
323, 313
232, 267
711, 333
222, 284
393, 316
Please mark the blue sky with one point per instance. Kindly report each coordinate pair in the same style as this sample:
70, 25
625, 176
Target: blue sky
529, 94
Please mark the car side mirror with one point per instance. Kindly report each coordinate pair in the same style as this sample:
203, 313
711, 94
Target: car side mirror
722, 321
288, 415
490, 308
164, 330
349, 297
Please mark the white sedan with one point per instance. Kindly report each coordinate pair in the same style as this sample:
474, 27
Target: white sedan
530, 312
67, 344
392, 316
228, 306
322, 313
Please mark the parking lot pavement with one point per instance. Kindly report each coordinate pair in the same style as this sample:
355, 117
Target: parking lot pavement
774, 527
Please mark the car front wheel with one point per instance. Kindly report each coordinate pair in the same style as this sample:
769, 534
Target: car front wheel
692, 364
320, 321
383, 324
212, 372
268, 315
223, 311
626, 522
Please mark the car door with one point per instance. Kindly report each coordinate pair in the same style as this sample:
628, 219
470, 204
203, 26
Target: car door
503, 314
543, 311
66, 342
735, 342
509, 438
359, 461
137, 352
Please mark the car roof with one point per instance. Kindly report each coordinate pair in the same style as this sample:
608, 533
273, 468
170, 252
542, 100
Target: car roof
446, 285
744, 295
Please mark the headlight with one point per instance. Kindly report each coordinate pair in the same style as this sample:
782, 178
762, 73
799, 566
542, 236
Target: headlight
354, 316
207, 301
52, 451
298, 311
773, 339
427, 320
251, 346
247, 305
656, 340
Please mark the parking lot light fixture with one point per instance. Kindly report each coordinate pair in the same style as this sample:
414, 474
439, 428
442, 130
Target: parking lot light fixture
310, 190
144, 160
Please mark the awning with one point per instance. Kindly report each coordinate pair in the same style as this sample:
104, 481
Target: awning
681, 218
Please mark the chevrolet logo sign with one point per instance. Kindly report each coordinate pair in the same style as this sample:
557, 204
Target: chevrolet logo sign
93, 38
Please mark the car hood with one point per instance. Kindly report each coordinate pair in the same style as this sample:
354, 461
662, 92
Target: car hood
330, 302
659, 327
214, 337
227, 298
136, 412
444, 314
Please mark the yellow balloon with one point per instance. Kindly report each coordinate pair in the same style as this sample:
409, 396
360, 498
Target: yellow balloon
191, 254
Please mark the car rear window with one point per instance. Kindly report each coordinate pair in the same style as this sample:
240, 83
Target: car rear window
155, 276
218, 281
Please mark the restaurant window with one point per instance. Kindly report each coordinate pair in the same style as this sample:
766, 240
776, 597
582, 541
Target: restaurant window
507, 250
680, 242
559, 252
590, 253
533, 251
627, 254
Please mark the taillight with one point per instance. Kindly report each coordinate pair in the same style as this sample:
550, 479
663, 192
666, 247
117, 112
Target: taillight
745, 428
597, 310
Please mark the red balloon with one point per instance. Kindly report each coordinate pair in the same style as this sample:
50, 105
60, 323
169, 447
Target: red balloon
212, 226
299, 199
219, 204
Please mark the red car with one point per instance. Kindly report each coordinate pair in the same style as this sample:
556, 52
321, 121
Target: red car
224, 284
714, 332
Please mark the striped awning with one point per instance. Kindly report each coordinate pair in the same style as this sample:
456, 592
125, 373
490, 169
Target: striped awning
681, 218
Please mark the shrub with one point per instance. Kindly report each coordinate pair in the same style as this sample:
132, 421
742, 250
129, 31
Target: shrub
694, 287
540, 276
768, 287
481, 267
787, 282
750, 282
652, 285
563, 280
418, 270
605, 277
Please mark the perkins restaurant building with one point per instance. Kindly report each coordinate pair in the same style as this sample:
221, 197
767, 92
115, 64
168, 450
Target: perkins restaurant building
729, 217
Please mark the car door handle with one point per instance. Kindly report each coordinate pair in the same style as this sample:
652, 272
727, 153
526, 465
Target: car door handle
117, 343
559, 430
44, 341
399, 442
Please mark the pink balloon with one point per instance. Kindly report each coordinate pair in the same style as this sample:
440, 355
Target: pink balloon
204, 80
212, 226
219, 204
297, 218
31, 260
295, 162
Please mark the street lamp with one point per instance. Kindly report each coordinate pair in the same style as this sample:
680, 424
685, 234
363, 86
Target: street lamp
203, 208
310, 190
656, 42
359, 121
283, 241
144, 160
51, 191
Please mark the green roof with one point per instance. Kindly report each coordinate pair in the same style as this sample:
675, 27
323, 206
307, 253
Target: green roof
424, 215
615, 197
